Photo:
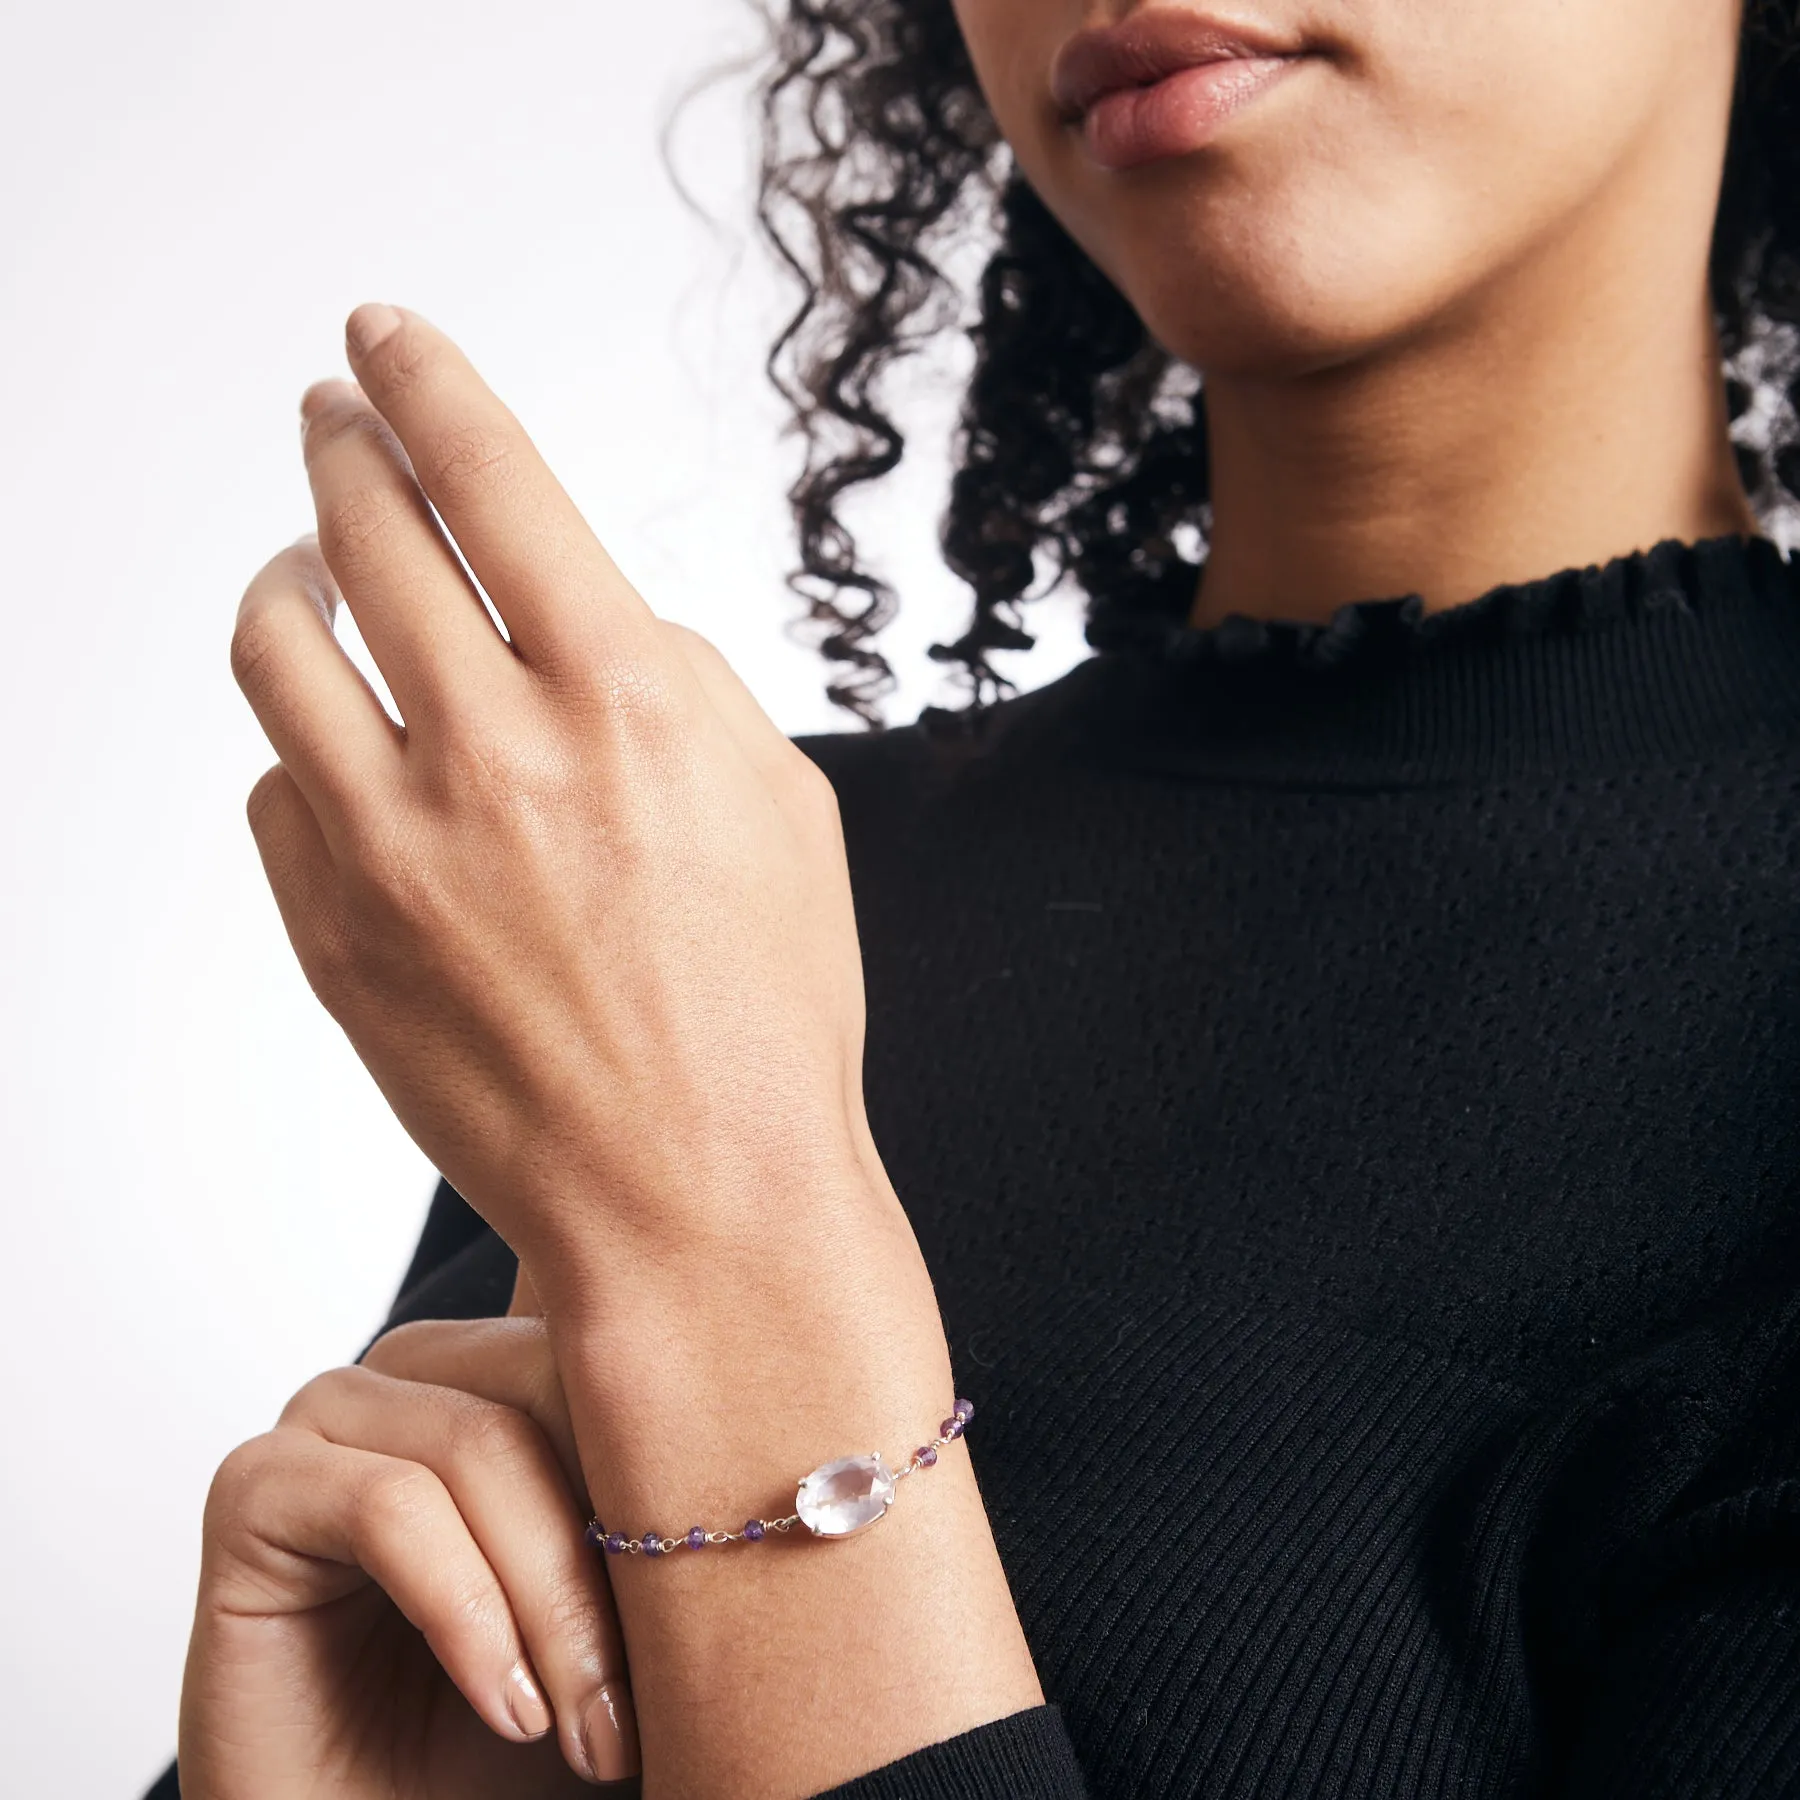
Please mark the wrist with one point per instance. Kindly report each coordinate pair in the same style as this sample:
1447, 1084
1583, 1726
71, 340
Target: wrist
601, 1223
720, 1399
814, 1317
702, 1389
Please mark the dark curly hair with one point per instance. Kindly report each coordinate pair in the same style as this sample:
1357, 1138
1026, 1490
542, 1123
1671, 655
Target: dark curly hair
1081, 452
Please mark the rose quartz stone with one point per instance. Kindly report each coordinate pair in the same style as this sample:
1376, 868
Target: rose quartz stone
845, 1496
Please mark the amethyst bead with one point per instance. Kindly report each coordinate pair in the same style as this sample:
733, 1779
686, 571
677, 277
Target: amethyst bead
614, 1543
952, 1427
652, 1544
595, 1534
926, 1455
755, 1531
696, 1539
964, 1410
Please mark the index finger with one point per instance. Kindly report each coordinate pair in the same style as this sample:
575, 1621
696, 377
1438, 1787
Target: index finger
507, 1361
563, 599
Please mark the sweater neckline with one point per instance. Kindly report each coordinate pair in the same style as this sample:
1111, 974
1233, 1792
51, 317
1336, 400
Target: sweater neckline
1675, 575
1666, 653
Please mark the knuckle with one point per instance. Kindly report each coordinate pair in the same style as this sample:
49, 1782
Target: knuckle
513, 767
267, 798
489, 1435
694, 643
407, 1348
331, 959
388, 844
570, 1615
478, 1609
357, 524
641, 697
257, 645
316, 1397
811, 783
396, 1500
464, 458
238, 1484
814, 795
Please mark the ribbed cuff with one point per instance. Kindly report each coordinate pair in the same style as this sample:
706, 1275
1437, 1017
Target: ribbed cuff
1026, 1756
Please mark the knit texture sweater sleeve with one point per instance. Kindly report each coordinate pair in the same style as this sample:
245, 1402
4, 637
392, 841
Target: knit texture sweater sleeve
1675, 1663
1025, 1757
1703, 1700
1682, 1651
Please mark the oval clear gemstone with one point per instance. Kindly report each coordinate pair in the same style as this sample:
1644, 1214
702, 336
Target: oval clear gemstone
845, 1496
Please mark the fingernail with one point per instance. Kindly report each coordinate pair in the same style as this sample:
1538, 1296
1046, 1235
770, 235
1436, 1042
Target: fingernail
609, 1734
526, 1703
371, 325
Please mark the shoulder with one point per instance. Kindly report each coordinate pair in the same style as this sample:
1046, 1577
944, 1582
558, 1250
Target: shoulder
892, 771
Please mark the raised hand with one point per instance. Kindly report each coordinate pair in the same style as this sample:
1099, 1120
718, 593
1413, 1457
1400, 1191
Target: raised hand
395, 1599
585, 915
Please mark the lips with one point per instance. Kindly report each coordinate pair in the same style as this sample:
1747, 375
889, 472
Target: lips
1140, 52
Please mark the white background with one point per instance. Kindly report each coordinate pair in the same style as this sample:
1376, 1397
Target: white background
205, 1200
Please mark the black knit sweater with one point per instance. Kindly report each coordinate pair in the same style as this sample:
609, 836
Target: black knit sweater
1346, 1082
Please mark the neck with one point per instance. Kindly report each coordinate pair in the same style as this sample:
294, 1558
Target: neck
1572, 412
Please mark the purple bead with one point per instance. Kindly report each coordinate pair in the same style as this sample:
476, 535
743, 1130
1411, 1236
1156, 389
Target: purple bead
926, 1455
964, 1410
595, 1533
652, 1544
615, 1543
696, 1539
755, 1530
951, 1428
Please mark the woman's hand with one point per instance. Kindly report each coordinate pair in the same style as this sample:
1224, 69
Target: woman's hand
395, 1598
587, 920
586, 916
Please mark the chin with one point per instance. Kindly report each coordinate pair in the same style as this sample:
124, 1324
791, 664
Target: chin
1275, 291
1274, 319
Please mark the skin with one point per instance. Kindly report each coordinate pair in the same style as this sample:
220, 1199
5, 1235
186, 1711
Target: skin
1450, 270
586, 918
395, 1597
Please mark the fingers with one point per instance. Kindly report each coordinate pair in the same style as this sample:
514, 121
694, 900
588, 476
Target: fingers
290, 1494
421, 618
298, 862
509, 1487
566, 606
322, 718
507, 1361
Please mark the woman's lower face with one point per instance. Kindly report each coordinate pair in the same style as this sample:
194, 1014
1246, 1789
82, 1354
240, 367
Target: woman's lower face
1387, 164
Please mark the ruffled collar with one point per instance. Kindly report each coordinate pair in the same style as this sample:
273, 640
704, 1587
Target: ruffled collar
1673, 576
1668, 653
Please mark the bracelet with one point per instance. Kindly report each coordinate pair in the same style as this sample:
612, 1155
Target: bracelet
836, 1500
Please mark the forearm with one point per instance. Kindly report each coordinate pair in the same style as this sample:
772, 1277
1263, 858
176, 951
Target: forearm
587, 919
700, 1393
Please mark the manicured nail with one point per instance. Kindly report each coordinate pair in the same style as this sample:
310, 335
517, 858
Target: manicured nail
371, 325
609, 1735
526, 1704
